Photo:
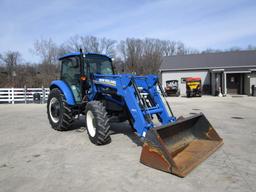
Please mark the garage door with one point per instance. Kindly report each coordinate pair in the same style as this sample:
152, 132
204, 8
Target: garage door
233, 83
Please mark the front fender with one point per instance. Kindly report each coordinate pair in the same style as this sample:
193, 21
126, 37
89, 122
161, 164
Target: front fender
65, 89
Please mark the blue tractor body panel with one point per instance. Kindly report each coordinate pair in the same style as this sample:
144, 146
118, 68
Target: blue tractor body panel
65, 89
132, 88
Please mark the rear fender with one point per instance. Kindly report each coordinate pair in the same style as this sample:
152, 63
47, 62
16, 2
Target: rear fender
65, 89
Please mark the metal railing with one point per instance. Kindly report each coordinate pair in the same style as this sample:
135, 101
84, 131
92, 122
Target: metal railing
22, 95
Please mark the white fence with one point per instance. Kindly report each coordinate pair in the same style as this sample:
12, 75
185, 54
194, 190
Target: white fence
22, 95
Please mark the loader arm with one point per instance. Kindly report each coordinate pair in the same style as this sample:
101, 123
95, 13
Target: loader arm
141, 96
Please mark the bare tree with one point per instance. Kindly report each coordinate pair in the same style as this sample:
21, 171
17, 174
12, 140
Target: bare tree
192, 51
168, 47
49, 53
145, 56
72, 44
107, 46
118, 64
90, 44
152, 55
47, 50
11, 59
137, 55
180, 48
251, 47
132, 52
235, 49
1, 59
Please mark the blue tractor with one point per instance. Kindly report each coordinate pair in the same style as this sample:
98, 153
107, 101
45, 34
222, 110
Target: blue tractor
88, 85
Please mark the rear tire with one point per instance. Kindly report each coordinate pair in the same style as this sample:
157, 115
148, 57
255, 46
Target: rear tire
97, 123
58, 111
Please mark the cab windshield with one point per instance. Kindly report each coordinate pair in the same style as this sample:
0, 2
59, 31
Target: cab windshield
99, 66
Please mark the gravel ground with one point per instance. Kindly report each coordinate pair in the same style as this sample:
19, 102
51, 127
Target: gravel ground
34, 157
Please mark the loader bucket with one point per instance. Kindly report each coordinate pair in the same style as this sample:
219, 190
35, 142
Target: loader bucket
179, 147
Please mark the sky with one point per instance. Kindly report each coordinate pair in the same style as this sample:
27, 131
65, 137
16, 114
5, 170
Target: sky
198, 24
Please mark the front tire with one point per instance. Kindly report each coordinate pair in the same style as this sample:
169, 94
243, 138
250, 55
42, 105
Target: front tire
97, 123
58, 111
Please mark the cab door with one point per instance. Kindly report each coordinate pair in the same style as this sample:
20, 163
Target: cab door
70, 73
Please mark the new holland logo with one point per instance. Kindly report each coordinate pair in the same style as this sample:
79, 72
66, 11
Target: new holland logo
107, 81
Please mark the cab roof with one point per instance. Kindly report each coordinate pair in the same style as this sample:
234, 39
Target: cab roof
78, 53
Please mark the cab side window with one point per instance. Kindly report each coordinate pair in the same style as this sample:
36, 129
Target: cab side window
70, 73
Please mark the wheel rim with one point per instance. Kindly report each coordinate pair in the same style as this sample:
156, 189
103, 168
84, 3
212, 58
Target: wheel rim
90, 123
54, 109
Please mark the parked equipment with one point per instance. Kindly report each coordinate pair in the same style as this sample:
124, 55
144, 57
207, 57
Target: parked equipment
37, 98
193, 87
172, 88
89, 86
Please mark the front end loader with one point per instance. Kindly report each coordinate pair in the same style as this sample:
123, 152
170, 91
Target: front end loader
89, 86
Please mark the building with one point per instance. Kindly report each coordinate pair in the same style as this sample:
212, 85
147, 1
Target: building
228, 72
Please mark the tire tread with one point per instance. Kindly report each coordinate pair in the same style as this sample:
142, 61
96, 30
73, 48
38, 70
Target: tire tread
66, 118
102, 123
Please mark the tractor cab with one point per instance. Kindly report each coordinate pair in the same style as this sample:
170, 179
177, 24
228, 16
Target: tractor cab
77, 71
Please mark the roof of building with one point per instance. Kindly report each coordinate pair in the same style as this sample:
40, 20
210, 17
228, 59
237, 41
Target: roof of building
210, 60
